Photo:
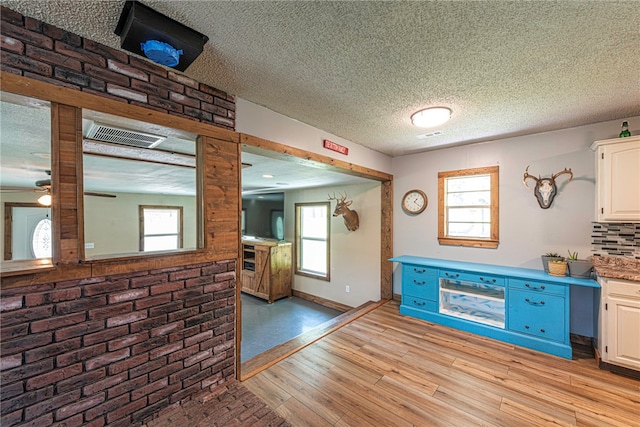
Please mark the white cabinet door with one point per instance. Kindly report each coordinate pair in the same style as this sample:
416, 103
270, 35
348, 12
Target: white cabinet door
623, 334
618, 179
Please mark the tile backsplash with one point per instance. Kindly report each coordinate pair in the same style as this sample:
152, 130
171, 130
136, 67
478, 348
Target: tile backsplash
616, 239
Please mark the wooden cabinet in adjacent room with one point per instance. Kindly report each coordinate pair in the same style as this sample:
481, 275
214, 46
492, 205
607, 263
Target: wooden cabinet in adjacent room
266, 269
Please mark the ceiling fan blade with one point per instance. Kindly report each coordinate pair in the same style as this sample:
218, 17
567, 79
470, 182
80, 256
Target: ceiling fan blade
21, 190
91, 193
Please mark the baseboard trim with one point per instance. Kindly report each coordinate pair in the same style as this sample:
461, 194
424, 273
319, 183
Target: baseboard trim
322, 301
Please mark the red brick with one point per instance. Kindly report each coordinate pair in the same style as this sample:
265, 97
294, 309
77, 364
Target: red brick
195, 320
202, 96
79, 329
188, 293
7, 391
27, 36
106, 75
125, 319
145, 368
166, 308
182, 354
106, 287
167, 349
166, 287
212, 90
9, 15
184, 333
149, 388
127, 70
77, 78
203, 336
212, 342
125, 92
200, 300
224, 103
25, 315
164, 392
152, 301
166, 83
184, 100
62, 35
224, 121
126, 386
150, 323
104, 384
128, 363
26, 371
10, 361
51, 57
111, 311
150, 344
148, 410
182, 314
7, 69
107, 359
202, 116
79, 54
185, 274
128, 295
26, 399
198, 357
82, 304
104, 50
214, 287
165, 371
199, 281
148, 66
164, 104
35, 299
57, 322
149, 280
11, 303
79, 406
197, 378
124, 411
53, 377
166, 329
79, 381
51, 80
181, 78
108, 406
51, 350
15, 331
27, 342
129, 339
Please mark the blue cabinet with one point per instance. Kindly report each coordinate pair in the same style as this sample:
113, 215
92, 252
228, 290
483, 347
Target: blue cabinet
521, 306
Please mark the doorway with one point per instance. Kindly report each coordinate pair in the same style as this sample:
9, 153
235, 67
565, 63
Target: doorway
27, 231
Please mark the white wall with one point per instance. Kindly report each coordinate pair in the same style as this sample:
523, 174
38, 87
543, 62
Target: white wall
355, 255
526, 230
259, 121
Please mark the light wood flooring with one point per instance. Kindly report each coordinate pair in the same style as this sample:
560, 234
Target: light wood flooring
384, 369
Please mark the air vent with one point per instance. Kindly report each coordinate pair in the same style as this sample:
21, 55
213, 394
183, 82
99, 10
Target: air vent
115, 135
429, 135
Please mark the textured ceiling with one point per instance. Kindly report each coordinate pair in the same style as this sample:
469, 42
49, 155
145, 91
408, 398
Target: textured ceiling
360, 69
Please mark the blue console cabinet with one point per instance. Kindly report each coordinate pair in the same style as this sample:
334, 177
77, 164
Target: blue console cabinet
522, 306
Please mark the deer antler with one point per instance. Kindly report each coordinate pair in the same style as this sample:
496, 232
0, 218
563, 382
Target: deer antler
553, 178
527, 175
341, 198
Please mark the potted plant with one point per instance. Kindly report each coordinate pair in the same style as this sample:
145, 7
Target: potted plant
547, 257
579, 267
557, 267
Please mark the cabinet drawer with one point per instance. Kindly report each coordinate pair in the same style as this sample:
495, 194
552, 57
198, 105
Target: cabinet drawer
420, 282
623, 288
419, 303
471, 277
538, 287
537, 314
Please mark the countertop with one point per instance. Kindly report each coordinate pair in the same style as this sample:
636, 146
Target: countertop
617, 267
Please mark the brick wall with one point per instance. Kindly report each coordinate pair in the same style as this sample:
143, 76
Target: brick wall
115, 350
40, 51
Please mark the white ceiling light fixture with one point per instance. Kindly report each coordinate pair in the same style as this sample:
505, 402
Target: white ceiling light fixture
45, 199
267, 175
431, 117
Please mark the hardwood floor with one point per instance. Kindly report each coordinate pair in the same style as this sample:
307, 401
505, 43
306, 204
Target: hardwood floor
387, 369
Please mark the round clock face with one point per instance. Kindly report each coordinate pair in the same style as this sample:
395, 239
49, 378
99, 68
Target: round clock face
414, 202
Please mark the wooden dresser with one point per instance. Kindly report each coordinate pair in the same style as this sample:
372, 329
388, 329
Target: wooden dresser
266, 269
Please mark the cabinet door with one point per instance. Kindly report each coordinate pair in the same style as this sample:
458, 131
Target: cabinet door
619, 181
537, 314
623, 332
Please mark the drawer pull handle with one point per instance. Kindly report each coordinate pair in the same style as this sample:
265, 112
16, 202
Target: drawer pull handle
419, 283
526, 326
419, 303
451, 275
422, 270
534, 302
488, 280
542, 330
534, 287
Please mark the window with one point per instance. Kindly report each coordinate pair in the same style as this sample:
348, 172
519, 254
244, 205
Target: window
312, 239
160, 228
468, 207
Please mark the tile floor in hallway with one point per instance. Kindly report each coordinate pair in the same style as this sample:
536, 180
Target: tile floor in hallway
266, 325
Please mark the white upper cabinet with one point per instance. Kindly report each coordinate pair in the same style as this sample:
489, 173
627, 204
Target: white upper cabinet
618, 179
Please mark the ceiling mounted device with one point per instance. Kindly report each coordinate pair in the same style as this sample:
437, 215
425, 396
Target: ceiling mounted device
431, 117
163, 40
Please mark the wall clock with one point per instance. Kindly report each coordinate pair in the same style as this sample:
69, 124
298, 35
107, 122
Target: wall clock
414, 202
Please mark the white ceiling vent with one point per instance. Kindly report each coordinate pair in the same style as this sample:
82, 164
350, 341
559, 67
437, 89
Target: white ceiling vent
115, 135
429, 135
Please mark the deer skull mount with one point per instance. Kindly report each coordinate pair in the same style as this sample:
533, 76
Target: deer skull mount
350, 217
546, 188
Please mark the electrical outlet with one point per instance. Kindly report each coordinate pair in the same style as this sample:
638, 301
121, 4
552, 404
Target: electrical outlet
347, 289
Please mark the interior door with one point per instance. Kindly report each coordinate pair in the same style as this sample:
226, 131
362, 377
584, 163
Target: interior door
24, 222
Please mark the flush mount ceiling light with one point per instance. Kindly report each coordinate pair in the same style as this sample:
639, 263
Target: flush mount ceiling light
431, 117
45, 199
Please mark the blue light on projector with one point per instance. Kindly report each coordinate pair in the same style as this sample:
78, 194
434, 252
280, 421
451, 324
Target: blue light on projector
161, 53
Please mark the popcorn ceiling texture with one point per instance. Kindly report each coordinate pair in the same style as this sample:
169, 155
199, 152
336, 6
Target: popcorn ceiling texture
360, 69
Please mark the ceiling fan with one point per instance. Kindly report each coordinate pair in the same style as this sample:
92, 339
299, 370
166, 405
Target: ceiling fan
44, 186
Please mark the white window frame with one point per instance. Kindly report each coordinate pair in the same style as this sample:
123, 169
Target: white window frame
300, 269
443, 222
179, 234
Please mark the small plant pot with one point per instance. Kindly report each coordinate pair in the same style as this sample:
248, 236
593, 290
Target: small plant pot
546, 259
580, 268
558, 268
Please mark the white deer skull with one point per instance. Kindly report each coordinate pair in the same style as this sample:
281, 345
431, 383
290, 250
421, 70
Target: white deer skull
545, 189
350, 217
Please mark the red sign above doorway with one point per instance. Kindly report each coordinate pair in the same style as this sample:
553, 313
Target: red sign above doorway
330, 145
